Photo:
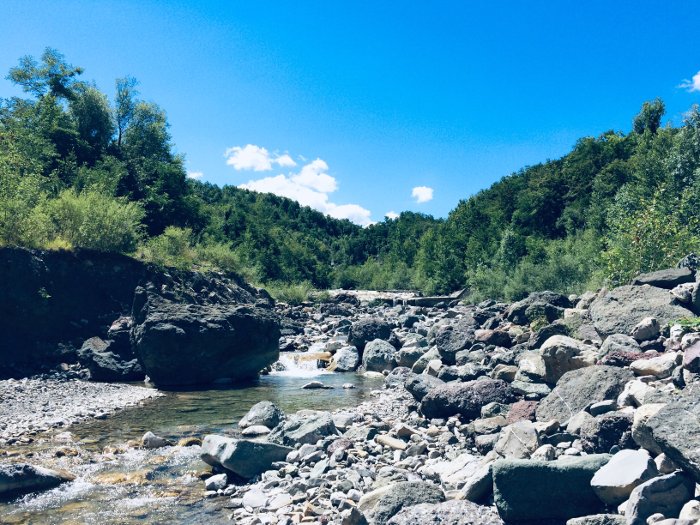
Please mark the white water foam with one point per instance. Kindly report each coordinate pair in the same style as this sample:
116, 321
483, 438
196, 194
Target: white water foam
296, 366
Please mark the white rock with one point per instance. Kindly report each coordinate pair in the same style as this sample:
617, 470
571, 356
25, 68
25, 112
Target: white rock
614, 482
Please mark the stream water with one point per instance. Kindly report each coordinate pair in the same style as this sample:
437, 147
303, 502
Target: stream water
116, 484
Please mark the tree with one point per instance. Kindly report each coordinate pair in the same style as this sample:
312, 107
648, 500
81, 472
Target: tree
54, 75
124, 105
649, 118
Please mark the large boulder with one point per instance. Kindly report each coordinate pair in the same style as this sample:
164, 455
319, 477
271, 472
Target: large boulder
621, 309
369, 329
105, 365
465, 399
189, 344
452, 512
419, 385
562, 354
537, 305
578, 389
451, 338
304, 427
263, 413
378, 356
668, 279
676, 430
346, 359
602, 433
242, 457
665, 494
393, 498
614, 482
539, 490
22, 478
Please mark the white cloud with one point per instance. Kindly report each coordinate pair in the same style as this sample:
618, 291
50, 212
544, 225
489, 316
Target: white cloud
196, 175
422, 194
255, 158
391, 215
311, 186
692, 85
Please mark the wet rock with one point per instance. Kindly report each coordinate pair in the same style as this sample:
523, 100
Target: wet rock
621, 309
546, 490
369, 329
150, 440
614, 482
314, 385
346, 359
263, 413
22, 478
378, 356
306, 426
242, 457
578, 389
447, 513
665, 495
255, 430
465, 399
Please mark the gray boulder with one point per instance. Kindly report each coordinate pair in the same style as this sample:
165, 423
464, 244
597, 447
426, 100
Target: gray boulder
242, 457
419, 385
602, 433
578, 389
518, 440
378, 356
411, 351
452, 338
562, 354
465, 399
105, 365
619, 343
369, 329
665, 495
346, 359
667, 279
22, 478
403, 495
537, 305
546, 490
306, 426
452, 512
263, 413
422, 363
621, 309
187, 344
676, 430
614, 482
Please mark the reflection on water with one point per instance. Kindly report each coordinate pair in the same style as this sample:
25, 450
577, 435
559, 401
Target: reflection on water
162, 486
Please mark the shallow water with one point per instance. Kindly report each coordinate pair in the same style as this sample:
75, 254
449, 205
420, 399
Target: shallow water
163, 485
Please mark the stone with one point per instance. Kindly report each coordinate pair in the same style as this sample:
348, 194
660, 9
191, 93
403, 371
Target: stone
619, 343
518, 312
418, 385
598, 519
22, 478
659, 367
189, 344
621, 309
602, 433
676, 430
691, 358
106, 365
264, 413
667, 279
150, 440
255, 430
306, 426
314, 385
665, 494
216, 482
346, 359
578, 389
690, 511
452, 338
641, 433
399, 496
465, 399
453, 472
397, 377
422, 363
562, 354
614, 482
243, 457
647, 329
378, 356
546, 490
452, 512
518, 440
368, 329
531, 367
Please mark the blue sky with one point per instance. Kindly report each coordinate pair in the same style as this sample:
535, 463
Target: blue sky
371, 99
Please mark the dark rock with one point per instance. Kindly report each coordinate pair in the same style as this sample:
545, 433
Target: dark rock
521, 410
403, 495
453, 512
306, 426
188, 344
263, 413
619, 343
465, 399
690, 261
397, 377
602, 433
105, 365
418, 385
450, 339
578, 389
369, 329
598, 519
538, 338
667, 279
242, 457
622, 358
22, 478
621, 309
378, 356
516, 313
546, 490
493, 337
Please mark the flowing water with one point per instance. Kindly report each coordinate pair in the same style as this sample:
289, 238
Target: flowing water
131, 485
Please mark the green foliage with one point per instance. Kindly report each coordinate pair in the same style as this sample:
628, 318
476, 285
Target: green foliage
291, 293
689, 323
171, 248
23, 221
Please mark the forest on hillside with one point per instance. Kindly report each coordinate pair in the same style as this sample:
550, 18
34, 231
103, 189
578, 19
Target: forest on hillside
78, 170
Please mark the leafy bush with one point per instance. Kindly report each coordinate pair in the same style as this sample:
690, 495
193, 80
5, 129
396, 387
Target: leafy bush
294, 293
172, 248
23, 221
96, 221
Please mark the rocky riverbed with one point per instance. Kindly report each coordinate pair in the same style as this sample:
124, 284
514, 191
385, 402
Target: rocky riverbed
553, 409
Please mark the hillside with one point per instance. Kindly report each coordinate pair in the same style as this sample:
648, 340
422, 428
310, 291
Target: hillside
79, 170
